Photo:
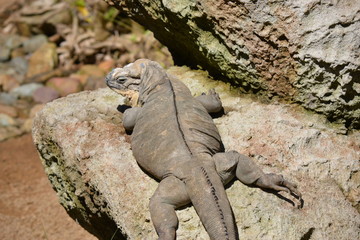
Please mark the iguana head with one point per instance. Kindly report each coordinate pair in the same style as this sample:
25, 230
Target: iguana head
135, 79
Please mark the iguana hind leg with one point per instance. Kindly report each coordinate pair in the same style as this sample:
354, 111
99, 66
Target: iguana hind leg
231, 164
170, 194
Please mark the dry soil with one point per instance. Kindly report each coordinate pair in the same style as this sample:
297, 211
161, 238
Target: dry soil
29, 208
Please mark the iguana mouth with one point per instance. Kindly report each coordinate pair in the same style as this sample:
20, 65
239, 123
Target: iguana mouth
132, 96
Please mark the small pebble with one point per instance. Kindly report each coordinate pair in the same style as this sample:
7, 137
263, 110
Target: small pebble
45, 94
20, 65
8, 82
4, 53
8, 110
6, 120
32, 44
26, 90
65, 85
7, 98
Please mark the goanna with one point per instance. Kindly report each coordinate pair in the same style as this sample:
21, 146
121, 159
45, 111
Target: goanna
175, 140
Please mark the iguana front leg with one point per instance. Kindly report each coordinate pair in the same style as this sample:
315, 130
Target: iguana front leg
129, 118
210, 101
232, 163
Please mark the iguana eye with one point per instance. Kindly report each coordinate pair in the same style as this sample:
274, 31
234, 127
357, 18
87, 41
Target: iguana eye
121, 79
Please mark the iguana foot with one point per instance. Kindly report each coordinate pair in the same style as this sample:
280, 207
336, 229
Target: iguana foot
211, 101
278, 183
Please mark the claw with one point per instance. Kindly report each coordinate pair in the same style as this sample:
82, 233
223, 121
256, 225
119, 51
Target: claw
278, 183
292, 187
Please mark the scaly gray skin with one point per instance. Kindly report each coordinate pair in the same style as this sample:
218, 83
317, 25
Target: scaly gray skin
175, 140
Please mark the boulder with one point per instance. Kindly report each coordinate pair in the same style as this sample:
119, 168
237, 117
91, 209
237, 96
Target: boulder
304, 51
87, 157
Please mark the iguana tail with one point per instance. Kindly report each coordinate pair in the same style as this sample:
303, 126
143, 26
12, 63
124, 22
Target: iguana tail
207, 194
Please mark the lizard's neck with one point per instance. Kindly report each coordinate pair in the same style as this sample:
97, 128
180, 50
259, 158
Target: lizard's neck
153, 78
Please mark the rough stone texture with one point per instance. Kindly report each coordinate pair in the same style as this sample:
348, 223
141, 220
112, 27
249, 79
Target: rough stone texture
306, 51
87, 157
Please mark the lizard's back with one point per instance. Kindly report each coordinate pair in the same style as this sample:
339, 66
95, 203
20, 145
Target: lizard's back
171, 129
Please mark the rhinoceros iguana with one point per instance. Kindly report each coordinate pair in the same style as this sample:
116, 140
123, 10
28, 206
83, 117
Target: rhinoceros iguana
175, 140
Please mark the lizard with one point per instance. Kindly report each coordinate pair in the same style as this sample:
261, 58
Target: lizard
175, 140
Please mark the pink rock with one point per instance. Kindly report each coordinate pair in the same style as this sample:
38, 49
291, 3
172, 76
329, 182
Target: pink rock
45, 94
65, 85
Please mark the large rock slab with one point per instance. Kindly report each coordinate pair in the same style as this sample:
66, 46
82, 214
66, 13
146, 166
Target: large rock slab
307, 51
87, 157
